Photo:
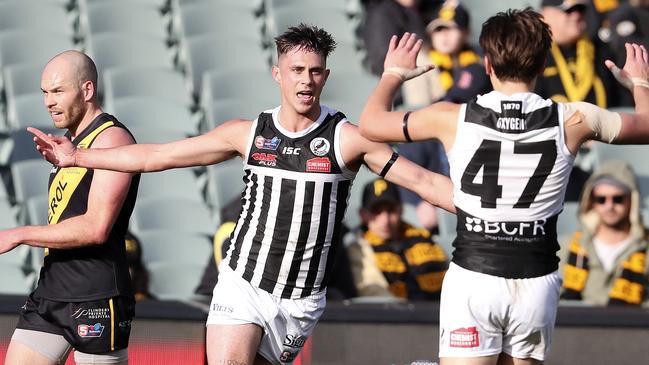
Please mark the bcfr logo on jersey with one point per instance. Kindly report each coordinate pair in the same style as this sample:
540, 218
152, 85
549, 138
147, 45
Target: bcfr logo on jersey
318, 164
319, 146
267, 144
90, 330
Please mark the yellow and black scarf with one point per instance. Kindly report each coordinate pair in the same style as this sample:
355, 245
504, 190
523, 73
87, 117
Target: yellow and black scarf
577, 77
445, 63
628, 288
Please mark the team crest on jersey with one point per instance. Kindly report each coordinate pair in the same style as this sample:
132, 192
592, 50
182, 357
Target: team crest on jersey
318, 164
319, 146
464, 338
90, 330
267, 144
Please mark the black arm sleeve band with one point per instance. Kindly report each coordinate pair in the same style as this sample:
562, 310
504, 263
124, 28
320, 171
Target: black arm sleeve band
389, 164
404, 125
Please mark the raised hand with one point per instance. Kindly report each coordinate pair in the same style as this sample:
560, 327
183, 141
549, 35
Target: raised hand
401, 59
56, 149
636, 67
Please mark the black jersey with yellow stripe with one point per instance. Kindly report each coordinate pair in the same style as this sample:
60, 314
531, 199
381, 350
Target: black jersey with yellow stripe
97, 271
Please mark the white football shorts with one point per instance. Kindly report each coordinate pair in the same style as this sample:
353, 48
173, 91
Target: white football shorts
484, 315
287, 323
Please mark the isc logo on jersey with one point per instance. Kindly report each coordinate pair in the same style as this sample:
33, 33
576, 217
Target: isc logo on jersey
478, 225
90, 330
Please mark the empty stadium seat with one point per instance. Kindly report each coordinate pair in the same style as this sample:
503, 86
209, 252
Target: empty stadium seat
22, 78
221, 110
243, 85
174, 281
149, 135
14, 281
153, 113
224, 182
172, 213
43, 17
7, 216
36, 207
110, 50
31, 47
133, 18
30, 178
333, 19
21, 145
348, 87
218, 18
174, 246
161, 83
176, 183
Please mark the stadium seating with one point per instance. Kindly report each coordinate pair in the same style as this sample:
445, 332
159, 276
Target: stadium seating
172, 213
633, 154
30, 178
223, 109
154, 113
18, 47
174, 247
14, 281
110, 50
364, 176
218, 18
241, 85
162, 83
28, 110
174, 281
154, 135
7, 216
481, 10
21, 146
36, 207
133, 18
224, 182
177, 183
42, 17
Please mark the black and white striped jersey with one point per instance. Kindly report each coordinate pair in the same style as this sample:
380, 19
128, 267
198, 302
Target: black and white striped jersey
510, 170
295, 196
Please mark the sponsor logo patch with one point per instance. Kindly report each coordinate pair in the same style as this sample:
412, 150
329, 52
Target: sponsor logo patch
319, 146
291, 151
464, 337
221, 308
90, 330
318, 164
267, 144
92, 313
478, 225
265, 159
292, 345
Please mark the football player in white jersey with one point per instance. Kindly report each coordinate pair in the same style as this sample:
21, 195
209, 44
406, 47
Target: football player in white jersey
510, 153
248, 324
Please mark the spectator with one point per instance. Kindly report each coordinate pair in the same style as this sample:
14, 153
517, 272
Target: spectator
605, 262
575, 69
459, 75
390, 257
629, 23
136, 268
381, 20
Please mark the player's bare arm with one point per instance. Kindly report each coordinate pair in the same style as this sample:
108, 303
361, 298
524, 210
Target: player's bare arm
379, 123
220, 144
586, 121
107, 194
435, 188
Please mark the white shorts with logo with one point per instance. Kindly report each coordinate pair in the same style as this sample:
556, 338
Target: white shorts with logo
287, 323
484, 315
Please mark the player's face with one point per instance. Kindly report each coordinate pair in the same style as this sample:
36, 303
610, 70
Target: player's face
384, 220
447, 40
63, 97
301, 75
612, 204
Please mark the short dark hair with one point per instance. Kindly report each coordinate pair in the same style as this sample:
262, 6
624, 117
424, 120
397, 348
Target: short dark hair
306, 37
517, 43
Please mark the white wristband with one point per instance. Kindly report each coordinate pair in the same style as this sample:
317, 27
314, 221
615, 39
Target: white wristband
406, 74
638, 81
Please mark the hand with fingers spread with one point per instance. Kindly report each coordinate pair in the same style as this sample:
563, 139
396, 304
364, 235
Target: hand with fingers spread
401, 59
636, 67
56, 149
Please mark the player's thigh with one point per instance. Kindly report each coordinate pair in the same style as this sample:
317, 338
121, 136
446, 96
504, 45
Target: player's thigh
46, 351
482, 360
505, 359
235, 343
118, 357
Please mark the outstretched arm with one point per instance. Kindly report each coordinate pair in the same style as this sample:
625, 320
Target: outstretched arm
220, 144
435, 188
379, 123
635, 75
107, 194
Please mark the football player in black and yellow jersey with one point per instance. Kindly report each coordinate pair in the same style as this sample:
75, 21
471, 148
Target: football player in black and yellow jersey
299, 161
84, 299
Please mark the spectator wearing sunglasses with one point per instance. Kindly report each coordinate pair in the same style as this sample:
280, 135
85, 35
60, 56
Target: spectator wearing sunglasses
605, 262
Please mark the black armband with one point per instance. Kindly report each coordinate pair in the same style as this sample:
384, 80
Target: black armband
389, 164
404, 125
